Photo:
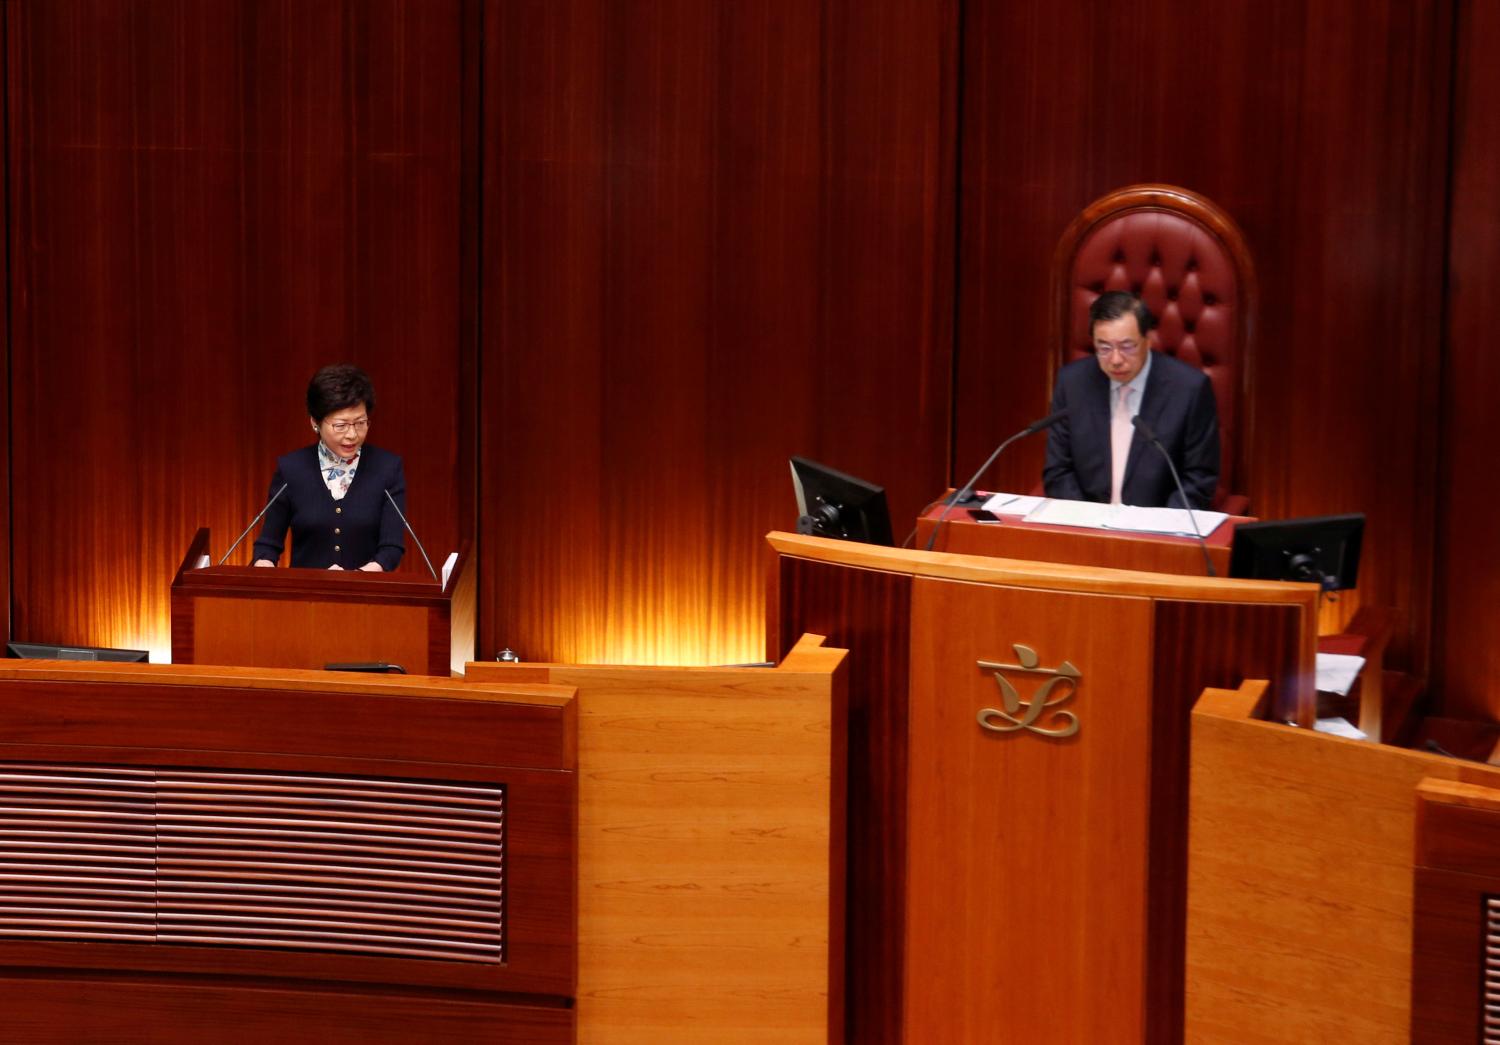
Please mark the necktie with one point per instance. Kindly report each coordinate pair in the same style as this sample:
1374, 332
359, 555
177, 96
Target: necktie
1120, 433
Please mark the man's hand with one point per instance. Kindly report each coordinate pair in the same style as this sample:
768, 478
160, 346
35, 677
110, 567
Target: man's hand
264, 562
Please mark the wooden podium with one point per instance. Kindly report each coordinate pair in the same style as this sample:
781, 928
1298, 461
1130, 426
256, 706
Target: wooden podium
1017, 787
299, 618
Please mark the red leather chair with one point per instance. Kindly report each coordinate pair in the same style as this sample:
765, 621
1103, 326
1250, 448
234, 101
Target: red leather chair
1188, 261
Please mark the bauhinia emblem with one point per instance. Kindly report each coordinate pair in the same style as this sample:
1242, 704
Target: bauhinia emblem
1015, 713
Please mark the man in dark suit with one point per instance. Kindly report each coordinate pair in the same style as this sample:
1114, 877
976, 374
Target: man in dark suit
1096, 454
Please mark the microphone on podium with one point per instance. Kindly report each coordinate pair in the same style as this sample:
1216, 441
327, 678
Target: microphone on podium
413, 533
253, 521
968, 487
1150, 436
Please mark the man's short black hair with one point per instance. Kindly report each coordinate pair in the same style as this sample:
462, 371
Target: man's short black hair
339, 387
1113, 304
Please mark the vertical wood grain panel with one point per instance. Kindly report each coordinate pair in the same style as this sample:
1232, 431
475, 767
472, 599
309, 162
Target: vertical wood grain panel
7, 38
1009, 833
1467, 672
710, 817
713, 238
1322, 129
867, 612
1248, 642
1300, 876
208, 201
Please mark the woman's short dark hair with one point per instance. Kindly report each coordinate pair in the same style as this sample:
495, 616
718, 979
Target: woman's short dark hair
1113, 304
339, 387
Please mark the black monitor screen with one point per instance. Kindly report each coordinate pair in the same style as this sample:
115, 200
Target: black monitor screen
1322, 550
832, 504
40, 651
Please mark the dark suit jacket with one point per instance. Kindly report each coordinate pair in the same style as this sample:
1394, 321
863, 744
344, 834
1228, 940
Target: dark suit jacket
1179, 406
358, 529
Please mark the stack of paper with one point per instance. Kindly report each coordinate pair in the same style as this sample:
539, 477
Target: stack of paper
1340, 727
1095, 516
1337, 672
1012, 503
1164, 520
1089, 514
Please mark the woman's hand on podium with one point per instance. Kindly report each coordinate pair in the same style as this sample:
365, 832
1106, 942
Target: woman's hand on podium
372, 567
264, 562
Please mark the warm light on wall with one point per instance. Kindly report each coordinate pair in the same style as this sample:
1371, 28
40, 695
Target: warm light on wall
684, 641
157, 643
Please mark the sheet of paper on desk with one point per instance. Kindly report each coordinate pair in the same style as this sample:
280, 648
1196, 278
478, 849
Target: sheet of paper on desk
1057, 512
1172, 521
1337, 672
1013, 504
1340, 727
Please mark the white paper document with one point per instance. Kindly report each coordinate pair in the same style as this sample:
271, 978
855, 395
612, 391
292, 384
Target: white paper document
1340, 727
448, 568
1056, 512
1128, 518
1164, 520
1013, 503
1337, 672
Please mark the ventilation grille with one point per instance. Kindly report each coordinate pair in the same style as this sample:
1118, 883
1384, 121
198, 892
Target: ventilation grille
1492, 971
331, 863
77, 853
234, 858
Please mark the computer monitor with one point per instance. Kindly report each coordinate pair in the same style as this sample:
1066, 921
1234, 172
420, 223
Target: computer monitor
832, 504
1323, 550
41, 651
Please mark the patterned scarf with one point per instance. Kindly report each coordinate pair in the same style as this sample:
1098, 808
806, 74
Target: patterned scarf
337, 473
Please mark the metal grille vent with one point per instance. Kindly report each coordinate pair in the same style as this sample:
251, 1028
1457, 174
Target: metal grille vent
1492, 971
227, 857
378, 866
77, 853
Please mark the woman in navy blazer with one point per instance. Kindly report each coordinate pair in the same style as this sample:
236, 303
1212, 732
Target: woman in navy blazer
334, 499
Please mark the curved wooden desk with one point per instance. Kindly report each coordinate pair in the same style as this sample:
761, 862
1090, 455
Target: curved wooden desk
1003, 881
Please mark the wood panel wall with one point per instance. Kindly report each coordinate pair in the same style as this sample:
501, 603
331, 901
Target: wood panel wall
1467, 670
612, 263
207, 202
715, 235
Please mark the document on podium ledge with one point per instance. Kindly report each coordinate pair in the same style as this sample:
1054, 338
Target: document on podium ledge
1172, 521
448, 568
1090, 515
1012, 503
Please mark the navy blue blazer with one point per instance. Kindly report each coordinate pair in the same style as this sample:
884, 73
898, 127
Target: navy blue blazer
358, 529
1179, 406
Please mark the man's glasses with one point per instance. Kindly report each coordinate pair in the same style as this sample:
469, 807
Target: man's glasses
1125, 348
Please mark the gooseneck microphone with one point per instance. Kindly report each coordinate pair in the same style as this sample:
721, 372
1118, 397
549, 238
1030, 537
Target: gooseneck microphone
1146, 431
413, 533
253, 521
968, 487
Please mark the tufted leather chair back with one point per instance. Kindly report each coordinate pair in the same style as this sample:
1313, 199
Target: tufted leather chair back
1188, 261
